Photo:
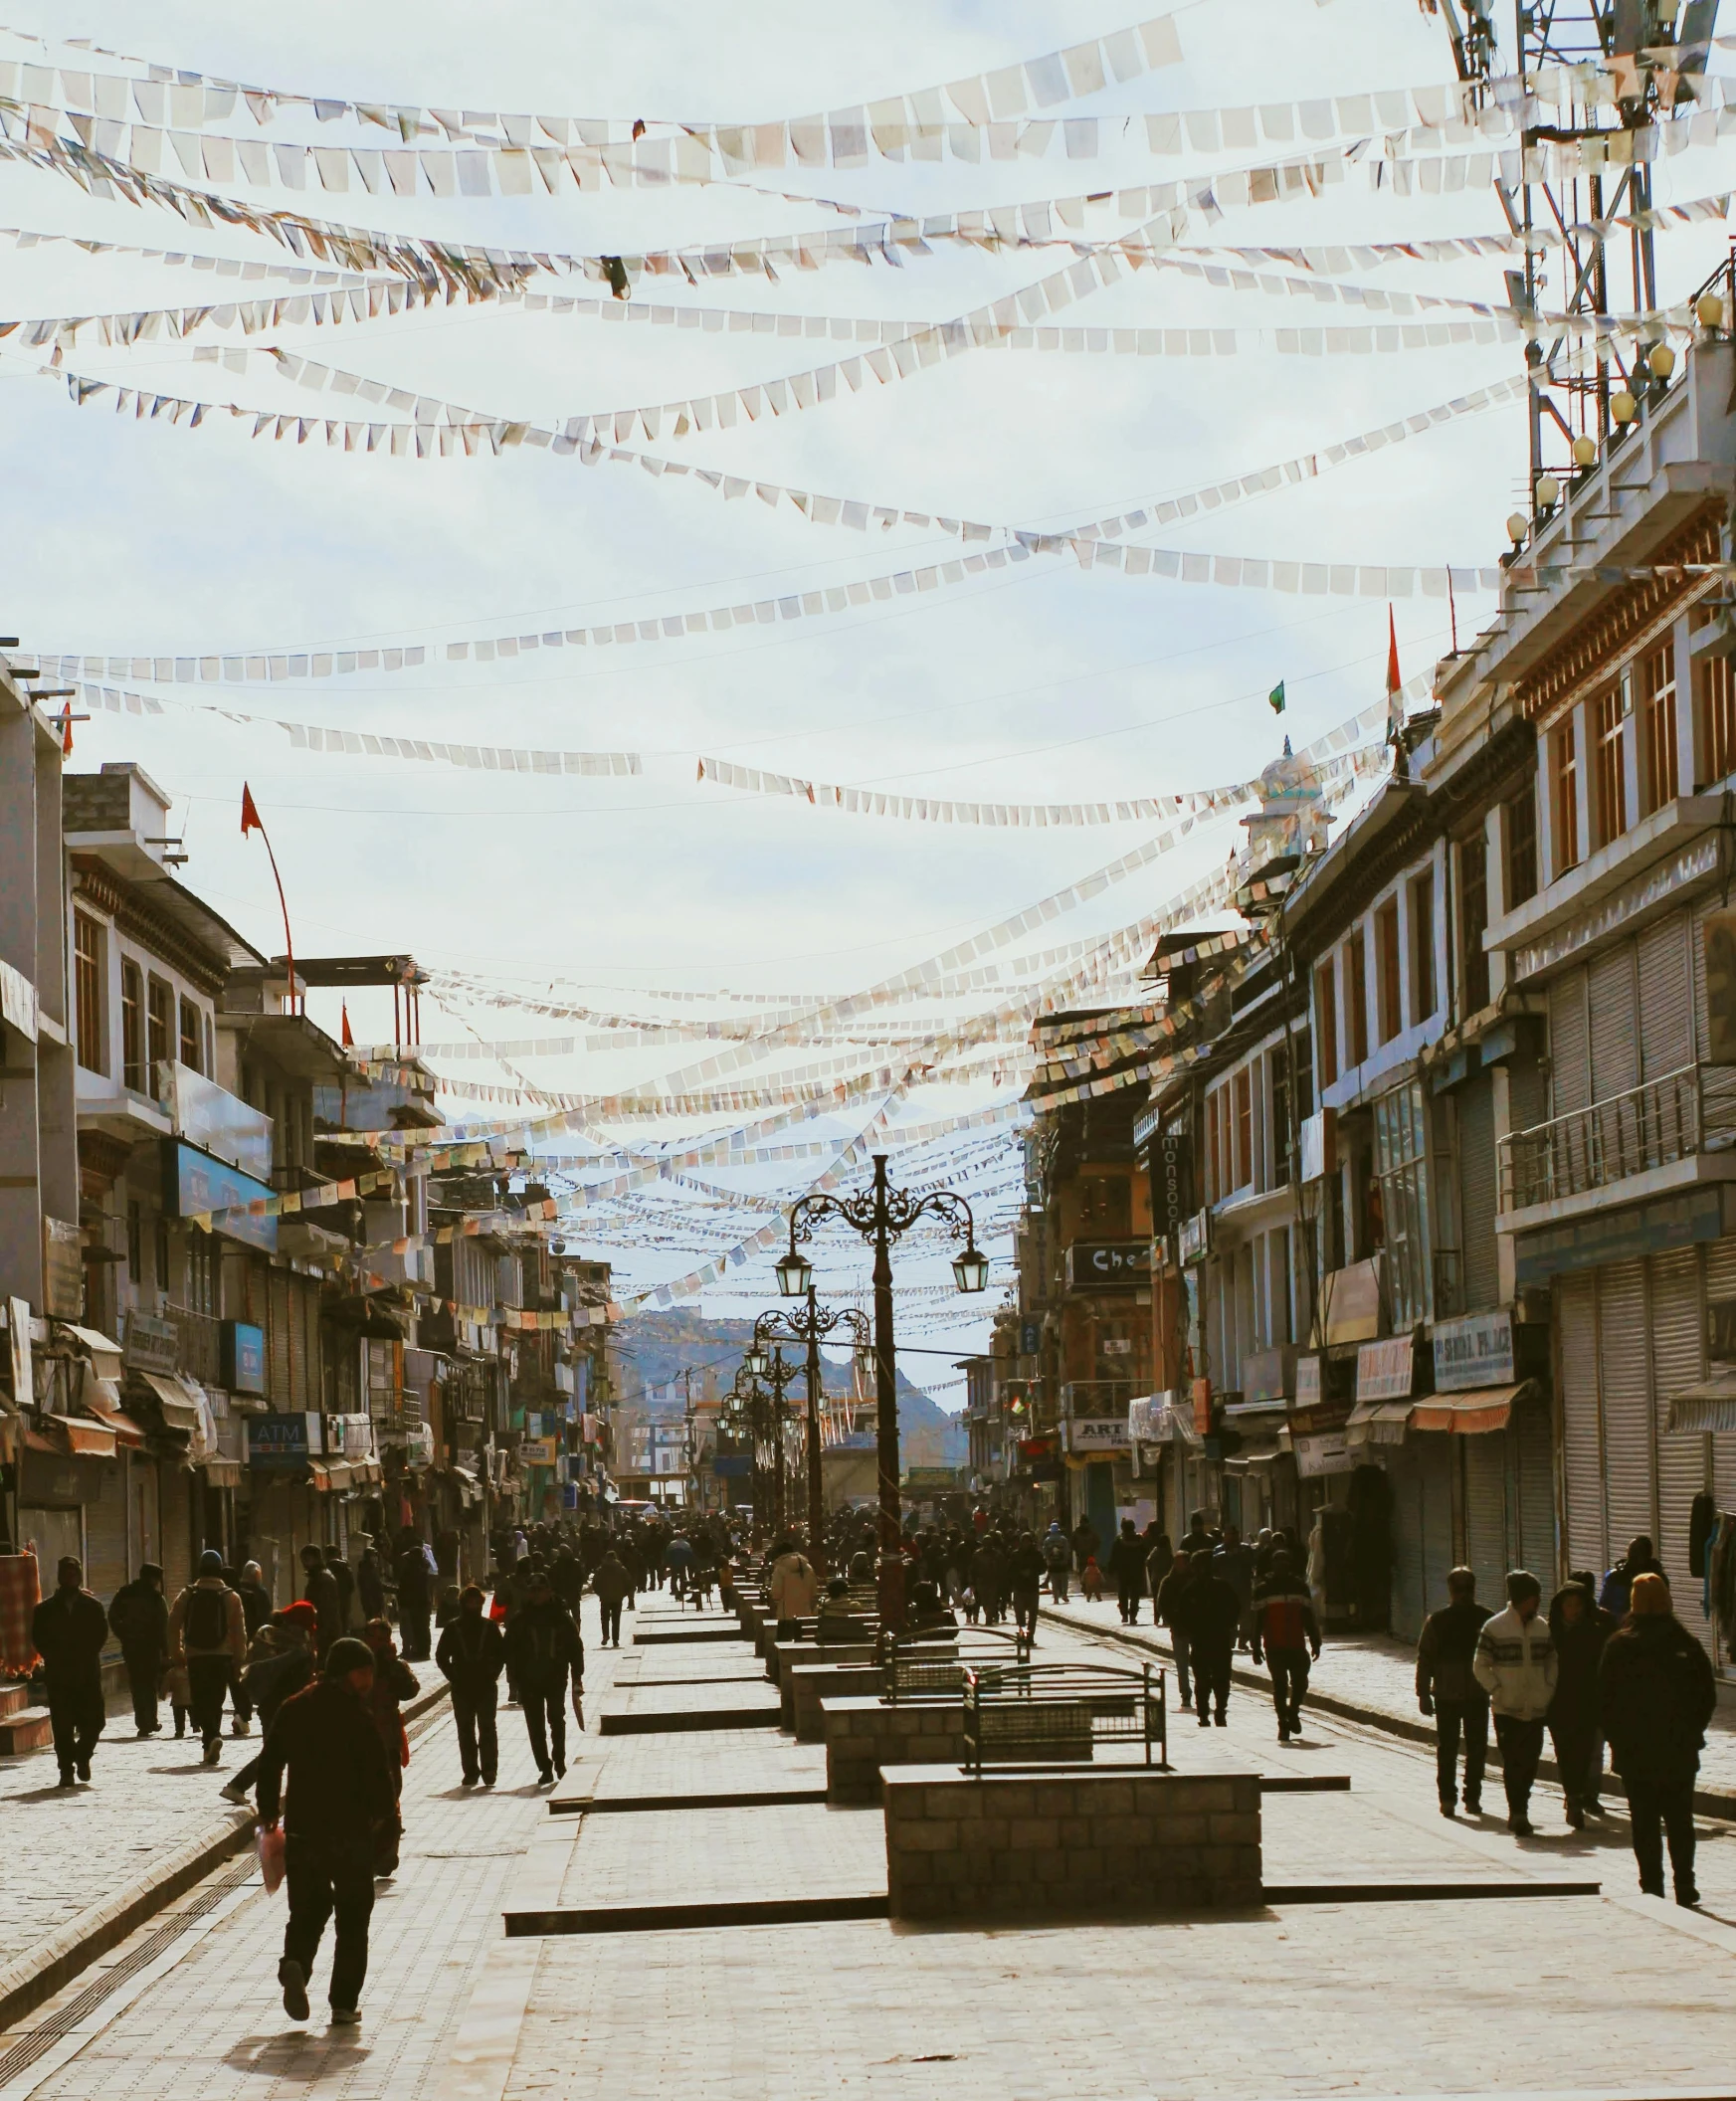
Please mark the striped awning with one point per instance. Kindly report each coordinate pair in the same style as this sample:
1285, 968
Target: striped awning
1379, 1422
1698, 1411
1471, 1414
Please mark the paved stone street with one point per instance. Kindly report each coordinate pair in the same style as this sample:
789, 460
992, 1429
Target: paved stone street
1598, 1994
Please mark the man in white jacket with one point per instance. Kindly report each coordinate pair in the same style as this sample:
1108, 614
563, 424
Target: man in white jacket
794, 1586
1516, 1664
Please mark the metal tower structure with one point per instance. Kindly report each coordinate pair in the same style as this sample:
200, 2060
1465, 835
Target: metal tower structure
1580, 77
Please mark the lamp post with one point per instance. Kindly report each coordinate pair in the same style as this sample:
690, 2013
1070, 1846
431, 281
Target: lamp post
883, 1214
808, 1327
771, 1371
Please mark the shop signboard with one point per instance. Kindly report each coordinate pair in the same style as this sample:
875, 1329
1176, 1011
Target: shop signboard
1474, 1352
1384, 1369
1622, 1235
1326, 1452
1170, 1182
1308, 1393
282, 1441
1098, 1435
195, 1183
149, 1344
244, 1357
1098, 1266
62, 1268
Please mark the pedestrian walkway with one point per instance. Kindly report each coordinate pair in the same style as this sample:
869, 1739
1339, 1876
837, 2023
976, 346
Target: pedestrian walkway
1376, 1675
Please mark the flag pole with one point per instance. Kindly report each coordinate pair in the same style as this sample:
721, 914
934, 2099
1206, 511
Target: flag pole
251, 822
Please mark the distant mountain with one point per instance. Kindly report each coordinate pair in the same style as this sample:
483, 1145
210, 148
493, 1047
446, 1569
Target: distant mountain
656, 1349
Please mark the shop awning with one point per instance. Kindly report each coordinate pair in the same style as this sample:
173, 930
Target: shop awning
81, 1438
364, 1470
221, 1474
1707, 1408
180, 1409
1255, 1452
103, 1354
338, 1474
1380, 1422
1471, 1414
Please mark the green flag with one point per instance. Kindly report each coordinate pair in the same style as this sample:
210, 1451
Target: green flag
1276, 699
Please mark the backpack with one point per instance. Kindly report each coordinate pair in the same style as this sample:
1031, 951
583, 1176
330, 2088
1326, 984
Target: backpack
206, 1624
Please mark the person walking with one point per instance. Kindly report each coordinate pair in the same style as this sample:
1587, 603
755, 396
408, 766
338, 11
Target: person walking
319, 1588
1024, 1573
793, 1588
1166, 1610
413, 1574
1232, 1561
543, 1646
1516, 1664
339, 1793
1087, 1541
370, 1581
471, 1655
67, 1630
138, 1619
1656, 1696
274, 1674
1578, 1630
208, 1633
1286, 1634
1058, 1559
348, 1608
256, 1611
1448, 1689
1128, 1566
1641, 1559
1211, 1611
611, 1582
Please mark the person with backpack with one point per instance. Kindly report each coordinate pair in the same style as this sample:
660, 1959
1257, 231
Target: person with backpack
279, 1661
208, 1633
138, 1619
470, 1656
1057, 1559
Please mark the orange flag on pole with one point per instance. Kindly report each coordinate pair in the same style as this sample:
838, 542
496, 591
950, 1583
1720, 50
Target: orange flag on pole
1394, 706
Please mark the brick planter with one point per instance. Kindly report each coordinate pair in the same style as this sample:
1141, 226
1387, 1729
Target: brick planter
1112, 1841
806, 1684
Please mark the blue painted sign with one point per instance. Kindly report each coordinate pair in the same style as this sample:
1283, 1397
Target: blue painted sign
196, 1182
279, 1441
244, 1357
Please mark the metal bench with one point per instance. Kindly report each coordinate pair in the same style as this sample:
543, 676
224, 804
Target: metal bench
1061, 1710
931, 1665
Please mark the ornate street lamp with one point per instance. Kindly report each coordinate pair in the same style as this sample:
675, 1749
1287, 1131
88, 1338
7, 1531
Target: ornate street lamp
808, 1326
768, 1411
883, 1214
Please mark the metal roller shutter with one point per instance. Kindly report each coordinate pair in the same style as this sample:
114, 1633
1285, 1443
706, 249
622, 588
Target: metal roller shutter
1570, 1055
1721, 1283
1485, 1460
1527, 1094
278, 1338
1677, 1358
1665, 998
1534, 1472
175, 1511
1476, 1193
1434, 1460
1624, 1380
1615, 1036
1409, 1583
1582, 1438
1697, 967
106, 1567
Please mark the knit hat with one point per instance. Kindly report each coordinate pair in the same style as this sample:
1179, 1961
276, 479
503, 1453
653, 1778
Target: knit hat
301, 1613
347, 1654
211, 1562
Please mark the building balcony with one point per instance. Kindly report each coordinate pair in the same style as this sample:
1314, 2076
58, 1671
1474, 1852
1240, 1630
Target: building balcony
1085, 1400
1652, 1138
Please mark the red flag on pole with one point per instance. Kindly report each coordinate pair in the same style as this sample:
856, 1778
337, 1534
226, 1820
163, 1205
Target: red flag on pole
344, 1036
66, 731
1394, 681
250, 816
250, 820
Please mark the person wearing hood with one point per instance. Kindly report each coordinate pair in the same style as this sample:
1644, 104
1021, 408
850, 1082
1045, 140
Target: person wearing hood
338, 1796
1656, 1696
1057, 1559
208, 1633
793, 1588
1641, 1559
1579, 1628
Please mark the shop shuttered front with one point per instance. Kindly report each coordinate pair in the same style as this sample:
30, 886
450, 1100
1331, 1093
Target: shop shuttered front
1676, 1360
1485, 1460
1570, 1056
277, 1339
1476, 1192
1665, 998
1615, 1035
1532, 1451
1582, 1456
1721, 1284
1417, 1475
1624, 1380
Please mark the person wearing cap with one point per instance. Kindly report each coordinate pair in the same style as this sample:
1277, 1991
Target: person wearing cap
208, 1633
1516, 1665
542, 1646
338, 1797
276, 1674
1656, 1693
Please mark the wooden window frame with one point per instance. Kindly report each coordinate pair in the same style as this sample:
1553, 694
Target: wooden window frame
89, 961
1389, 998
1564, 792
1659, 781
1606, 726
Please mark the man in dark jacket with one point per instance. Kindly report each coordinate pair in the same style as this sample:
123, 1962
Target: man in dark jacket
1579, 1628
411, 1569
319, 1588
339, 1793
139, 1620
67, 1630
1128, 1566
1210, 1612
1166, 1610
1232, 1561
568, 1578
1446, 1689
270, 1680
611, 1582
370, 1582
470, 1657
1658, 1695
1025, 1572
543, 1645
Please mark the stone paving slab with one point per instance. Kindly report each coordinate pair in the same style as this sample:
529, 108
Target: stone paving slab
754, 1696
719, 1856
715, 1761
1316, 2002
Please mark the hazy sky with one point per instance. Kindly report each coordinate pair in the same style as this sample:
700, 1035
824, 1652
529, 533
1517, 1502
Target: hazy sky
1036, 682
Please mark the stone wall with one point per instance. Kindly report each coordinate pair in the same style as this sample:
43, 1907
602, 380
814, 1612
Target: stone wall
863, 1734
805, 1684
1111, 1840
